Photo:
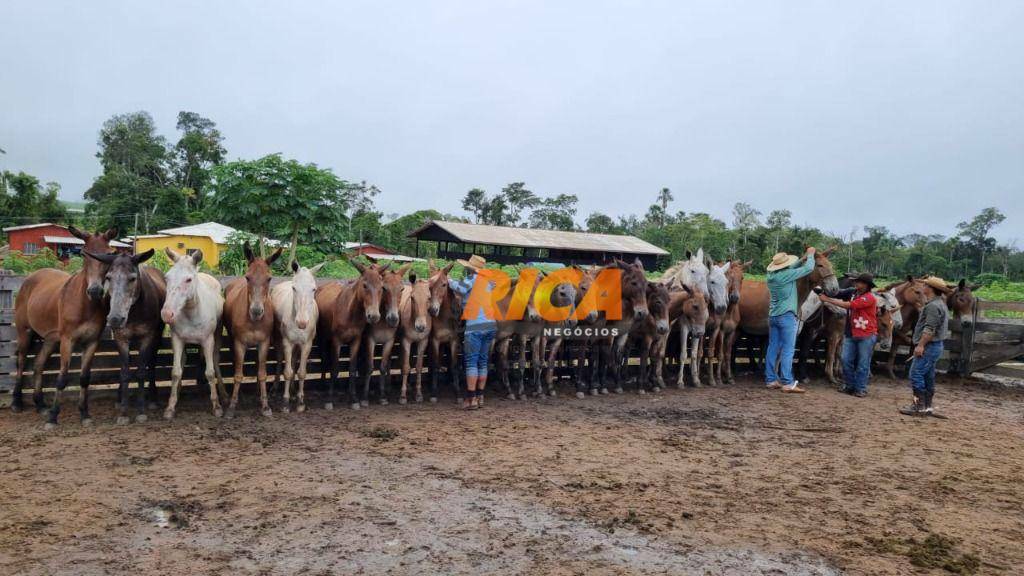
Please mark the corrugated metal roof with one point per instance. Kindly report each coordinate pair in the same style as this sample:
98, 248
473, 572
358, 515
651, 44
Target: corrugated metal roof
29, 226
551, 239
214, 230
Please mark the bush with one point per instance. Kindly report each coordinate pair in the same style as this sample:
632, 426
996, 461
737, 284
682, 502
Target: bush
22, 264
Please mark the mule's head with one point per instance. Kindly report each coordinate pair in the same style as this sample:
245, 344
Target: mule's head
438, 287
823, 274
419, 297
257, 281
121, 282
658, 304
889, 318
961, 301
392, 283
303, 293
734, 275
586, 283
634, 288
182, 279
564, 295
95, 270
369, 287
718, 286
911, 292
695, 310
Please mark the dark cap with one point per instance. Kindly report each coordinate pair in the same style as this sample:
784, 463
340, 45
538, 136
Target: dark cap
866, 278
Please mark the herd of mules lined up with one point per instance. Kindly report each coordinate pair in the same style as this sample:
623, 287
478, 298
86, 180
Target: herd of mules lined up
708, 303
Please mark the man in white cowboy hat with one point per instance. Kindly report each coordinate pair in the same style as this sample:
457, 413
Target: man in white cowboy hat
480, 331
783, 318
931, 329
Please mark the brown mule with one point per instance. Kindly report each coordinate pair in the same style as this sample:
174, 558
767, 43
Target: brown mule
383, 333
446, 308
345, 309
63, 310
249, 318
651, 333
415, 323
136, 296
728, 331
910, 295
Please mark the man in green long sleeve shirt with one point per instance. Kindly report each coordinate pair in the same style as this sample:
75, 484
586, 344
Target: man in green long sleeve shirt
783, 318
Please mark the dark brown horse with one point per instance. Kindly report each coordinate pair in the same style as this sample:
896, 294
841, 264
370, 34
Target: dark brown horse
634, 309
136, 296
249, 318
526, 334
961, 303
63, 310
446, 307
345, 310
651, 332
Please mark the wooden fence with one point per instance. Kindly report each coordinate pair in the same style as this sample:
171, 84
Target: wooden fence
984, 343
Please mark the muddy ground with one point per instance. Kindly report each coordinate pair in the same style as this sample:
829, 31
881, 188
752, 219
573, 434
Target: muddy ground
727, 480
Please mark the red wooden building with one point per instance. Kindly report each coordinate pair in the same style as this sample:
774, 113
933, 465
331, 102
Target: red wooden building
29, 239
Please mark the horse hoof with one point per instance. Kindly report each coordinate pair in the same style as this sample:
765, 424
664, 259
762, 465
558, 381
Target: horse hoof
122, 420
141, 418
364, 403
604, 391
329, 406
656, 389
218, 412
419, 399
553, 393
641, 391
356, 406
40, 408
168, 414
50, 426
383, 401
230, 413
618, 390
402, 401
17, 408
300, 408
152, 406
267, 412
285, 409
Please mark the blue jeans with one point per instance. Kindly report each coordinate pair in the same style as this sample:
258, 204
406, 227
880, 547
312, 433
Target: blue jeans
476, 349
922, 371
778, 364
857, 354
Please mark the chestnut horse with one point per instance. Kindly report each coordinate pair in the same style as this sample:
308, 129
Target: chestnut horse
136, 296
345, 309
63, 310
684, 305
910, 296
961, 305
249, 318
723, 344
415, 322
446, 308
392, 284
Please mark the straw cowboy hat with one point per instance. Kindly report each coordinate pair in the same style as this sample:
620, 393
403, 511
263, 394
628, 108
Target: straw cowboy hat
937, 284
476, 262
782, 260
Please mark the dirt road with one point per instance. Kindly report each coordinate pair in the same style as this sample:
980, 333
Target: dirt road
732, 480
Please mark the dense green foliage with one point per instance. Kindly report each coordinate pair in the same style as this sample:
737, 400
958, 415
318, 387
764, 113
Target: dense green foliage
23, 201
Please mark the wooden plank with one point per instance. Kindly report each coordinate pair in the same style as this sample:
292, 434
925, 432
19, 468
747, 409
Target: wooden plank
984, 305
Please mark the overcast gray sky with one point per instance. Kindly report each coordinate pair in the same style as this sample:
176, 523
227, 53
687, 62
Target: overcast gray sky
906, 114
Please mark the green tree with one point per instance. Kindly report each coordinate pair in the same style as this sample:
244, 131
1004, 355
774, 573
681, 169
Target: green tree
200, 148
555, 213
602, 224
664, 197
975, 233
22, 201
745, 218
274, 197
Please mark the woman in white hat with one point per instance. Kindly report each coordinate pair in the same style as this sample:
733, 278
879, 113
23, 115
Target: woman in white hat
783, 272
480, 331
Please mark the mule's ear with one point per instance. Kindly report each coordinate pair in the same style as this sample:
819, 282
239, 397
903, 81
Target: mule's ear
78, 233
197, 257
686, 289
172, 255
273, 257
447, 269
700, 254
316, 268
638, 263
748, 263
974, 287
962, 283
725, 267
430, 267
355, 263
247, 250
828, 251
140, 258
403, 269
110, 234
412, 278
689, 255
384, 268
295, 266
910, 278
104, 258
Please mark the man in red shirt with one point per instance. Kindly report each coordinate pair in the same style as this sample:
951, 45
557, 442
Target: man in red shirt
861, 332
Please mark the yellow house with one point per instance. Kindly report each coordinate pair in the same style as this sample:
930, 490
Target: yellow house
210, 237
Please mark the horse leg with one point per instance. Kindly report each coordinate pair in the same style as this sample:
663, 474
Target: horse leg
24, 343
727, 349
84, 379
385, 369
304, 349
890, 366
332, 361
421, 348
549, 367
178, 349
538, 363
435, 366
659, 361
284, 351
502, 365
211, 370
45, 351
146, 366
454, 374
262, 351
684, 350
239, 350
645, 356
123, 378
406, 350
66, 348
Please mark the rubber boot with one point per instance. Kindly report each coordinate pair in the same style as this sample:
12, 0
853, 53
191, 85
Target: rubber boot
915, 409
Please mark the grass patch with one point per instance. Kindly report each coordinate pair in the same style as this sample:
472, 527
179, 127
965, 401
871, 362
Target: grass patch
935, 551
